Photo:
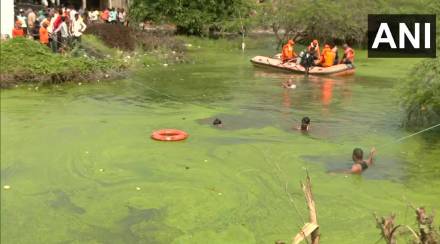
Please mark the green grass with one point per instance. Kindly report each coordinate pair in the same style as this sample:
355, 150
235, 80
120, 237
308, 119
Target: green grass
24, 60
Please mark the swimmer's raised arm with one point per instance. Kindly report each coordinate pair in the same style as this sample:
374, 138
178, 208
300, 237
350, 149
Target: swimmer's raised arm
371, 157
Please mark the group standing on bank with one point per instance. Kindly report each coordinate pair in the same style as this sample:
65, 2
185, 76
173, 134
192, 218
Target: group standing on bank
61, 28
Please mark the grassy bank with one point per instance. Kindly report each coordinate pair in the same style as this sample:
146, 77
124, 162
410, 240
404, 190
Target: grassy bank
100, 56
27, 61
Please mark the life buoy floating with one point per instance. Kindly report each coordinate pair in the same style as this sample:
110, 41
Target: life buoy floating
169, 135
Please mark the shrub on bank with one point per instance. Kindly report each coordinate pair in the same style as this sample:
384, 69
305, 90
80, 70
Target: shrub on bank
128, 39
24, 60
420, 94
115, 36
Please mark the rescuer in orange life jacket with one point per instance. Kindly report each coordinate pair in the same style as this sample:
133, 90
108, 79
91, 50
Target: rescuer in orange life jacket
288, 52
327, 56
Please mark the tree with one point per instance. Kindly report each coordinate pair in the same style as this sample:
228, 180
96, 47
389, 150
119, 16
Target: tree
317, 19
329, 20
197, 17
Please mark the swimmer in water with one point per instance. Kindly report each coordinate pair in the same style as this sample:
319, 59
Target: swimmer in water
359, 164
217, 123
305, 124
288, 84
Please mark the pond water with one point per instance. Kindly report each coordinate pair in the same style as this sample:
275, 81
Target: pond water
83, 169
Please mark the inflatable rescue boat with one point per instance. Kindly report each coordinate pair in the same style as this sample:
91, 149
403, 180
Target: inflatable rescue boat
339, 69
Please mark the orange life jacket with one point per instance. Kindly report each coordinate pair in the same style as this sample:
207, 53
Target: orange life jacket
17, 32
287, 53
328, 57
44, 35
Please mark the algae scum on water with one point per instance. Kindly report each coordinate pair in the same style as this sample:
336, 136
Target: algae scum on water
82, 168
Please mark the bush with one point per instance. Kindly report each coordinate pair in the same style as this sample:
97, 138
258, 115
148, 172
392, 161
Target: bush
24, 60
420, 94
115, 36
127, 39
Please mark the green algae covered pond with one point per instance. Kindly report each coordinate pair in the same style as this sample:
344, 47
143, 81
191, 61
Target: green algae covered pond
82, 168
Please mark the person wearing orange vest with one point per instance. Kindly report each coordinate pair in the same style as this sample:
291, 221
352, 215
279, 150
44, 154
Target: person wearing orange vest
288, 52
44, 34
313, 48
348, 57
327, 56
18, 30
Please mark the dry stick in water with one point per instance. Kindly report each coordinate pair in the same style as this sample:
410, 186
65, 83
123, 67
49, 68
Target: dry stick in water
311, 228
386, 225
427, 232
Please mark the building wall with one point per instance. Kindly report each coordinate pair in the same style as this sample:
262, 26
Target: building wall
7, 17
101, 4
114, 4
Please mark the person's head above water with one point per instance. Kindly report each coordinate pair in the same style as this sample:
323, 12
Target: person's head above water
217, 122
358, 154
305, 123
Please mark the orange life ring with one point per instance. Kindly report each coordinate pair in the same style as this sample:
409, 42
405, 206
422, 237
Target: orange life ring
169, 135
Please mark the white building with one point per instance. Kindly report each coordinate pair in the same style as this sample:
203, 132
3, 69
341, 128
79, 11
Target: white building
96, 4
7, 17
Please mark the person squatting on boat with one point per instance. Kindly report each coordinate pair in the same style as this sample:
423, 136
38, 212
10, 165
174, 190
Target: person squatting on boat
288, 52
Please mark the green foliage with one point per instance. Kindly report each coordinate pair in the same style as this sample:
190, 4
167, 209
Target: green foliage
197, 17
321, 19
329, 20
26, 60
420, 94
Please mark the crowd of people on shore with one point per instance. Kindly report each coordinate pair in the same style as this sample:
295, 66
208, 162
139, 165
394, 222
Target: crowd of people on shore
326, 57
61, 28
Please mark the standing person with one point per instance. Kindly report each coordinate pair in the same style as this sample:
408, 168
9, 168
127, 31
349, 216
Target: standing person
41, 16
348, 57
78, 27
64, 33
58, 20
18, 30
47, 20
122, 15
54, 31
95, 16
288, 52
105, 15
31, 19
22, 18
44, 34
72, 13
113, 15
